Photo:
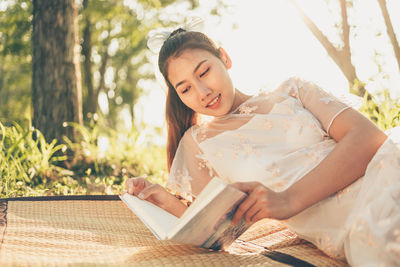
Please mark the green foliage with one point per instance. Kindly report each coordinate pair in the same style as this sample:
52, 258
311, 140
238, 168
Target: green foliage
118, 34
383, 110
15, 58
29, 166
27, 161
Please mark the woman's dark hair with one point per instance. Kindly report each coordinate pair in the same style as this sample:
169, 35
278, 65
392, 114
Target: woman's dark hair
180, 117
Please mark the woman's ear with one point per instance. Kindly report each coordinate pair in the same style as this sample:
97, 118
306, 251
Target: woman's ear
225, 58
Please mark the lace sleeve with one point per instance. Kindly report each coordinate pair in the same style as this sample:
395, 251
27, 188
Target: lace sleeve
190, 170
324, 106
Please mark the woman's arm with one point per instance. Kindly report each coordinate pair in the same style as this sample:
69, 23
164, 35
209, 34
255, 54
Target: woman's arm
357, 139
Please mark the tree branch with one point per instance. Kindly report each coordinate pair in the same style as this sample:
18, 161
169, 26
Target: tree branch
390, 30
345, 27
329, 47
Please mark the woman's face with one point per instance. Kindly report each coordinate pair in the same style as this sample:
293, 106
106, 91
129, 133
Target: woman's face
202, 81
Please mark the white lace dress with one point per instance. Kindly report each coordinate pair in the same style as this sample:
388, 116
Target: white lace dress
276, 138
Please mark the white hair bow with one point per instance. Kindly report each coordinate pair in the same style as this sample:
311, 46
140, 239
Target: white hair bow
157, 37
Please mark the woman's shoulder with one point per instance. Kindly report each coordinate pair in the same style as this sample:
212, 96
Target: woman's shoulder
279, 91
291, 84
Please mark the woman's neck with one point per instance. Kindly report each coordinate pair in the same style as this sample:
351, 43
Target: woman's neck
239, 99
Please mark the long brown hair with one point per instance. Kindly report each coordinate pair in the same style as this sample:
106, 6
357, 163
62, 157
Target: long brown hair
179, 117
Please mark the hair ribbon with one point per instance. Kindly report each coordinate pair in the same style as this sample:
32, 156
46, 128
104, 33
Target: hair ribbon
157, 37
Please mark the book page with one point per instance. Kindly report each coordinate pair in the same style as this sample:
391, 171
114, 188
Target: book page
212, 189
208, 222
159, 221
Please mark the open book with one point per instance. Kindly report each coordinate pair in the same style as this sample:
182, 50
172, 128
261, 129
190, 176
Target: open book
205, 223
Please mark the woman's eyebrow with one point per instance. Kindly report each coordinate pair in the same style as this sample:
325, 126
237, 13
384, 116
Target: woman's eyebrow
198, 65
195, 69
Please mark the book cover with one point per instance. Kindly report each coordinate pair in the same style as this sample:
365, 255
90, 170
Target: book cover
206, 223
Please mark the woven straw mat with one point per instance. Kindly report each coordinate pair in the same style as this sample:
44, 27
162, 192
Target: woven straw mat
88, 233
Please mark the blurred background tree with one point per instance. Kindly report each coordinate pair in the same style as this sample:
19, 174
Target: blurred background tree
40, 85
341, 53
56, 75
114, 57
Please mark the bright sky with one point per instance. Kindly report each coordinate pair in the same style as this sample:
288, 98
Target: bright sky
272, 43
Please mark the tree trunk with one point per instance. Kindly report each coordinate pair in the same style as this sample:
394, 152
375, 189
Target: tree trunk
390, 31
56, 96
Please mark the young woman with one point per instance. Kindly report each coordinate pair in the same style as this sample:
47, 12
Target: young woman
301, 155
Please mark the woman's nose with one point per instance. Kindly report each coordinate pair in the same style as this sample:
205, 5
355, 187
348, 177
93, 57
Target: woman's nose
204, 91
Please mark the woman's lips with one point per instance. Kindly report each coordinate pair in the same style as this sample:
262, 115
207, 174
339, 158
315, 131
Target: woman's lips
214, 103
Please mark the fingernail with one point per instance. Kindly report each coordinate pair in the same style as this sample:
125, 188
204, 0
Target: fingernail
141, 195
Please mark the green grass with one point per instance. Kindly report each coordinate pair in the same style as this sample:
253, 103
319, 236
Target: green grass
25, 161
30, 166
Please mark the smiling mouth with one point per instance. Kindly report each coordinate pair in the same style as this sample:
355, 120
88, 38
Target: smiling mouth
214, 103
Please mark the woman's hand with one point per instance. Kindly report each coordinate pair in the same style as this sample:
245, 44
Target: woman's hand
262, 202
155, 194
135, 185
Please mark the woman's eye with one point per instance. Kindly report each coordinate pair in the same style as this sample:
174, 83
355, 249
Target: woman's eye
186, 89
205, 72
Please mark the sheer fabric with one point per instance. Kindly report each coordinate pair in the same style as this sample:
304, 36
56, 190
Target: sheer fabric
276, 138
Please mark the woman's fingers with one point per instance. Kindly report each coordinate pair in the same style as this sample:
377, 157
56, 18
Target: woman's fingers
129, 185
149, 191
243, 208
261, 214
252, 211
135, 185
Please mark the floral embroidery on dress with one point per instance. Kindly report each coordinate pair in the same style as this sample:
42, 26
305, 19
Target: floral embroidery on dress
315, 130
273, 170
313, 156
371, 241
267, 125
245, 109
247, 149
280, 185
287, 126
181, 183
244, 147
236, 149
241, 137
205, 163
199, 132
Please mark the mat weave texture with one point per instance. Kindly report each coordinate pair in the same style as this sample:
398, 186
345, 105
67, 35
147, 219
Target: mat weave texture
84, 232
